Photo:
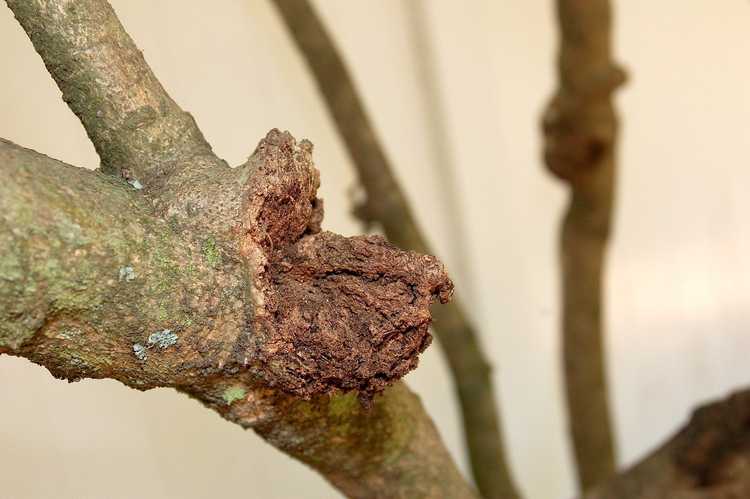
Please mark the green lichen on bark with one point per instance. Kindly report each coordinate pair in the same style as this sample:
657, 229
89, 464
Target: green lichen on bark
211, 253
387, 450
233, 394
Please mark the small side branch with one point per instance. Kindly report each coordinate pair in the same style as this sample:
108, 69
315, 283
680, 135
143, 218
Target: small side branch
137, 129
387, 205
580, 133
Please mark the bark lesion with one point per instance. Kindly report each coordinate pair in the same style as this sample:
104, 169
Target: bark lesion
331, 312
348, 313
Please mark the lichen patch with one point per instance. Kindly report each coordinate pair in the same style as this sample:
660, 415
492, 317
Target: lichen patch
162, 339
233, 394
126, 274
140, 352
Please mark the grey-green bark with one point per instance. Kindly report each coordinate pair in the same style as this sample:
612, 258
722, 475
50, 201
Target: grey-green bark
88, 273
386, 205
131, 120
139, 132
168, 268
388, 451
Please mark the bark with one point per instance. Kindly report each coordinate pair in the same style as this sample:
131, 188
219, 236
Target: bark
88, 275
131, 120
389, 451
167, 268
580, 128
387, 205
709, 458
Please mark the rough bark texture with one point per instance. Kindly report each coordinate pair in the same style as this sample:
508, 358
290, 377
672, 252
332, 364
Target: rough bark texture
709, 458
87, 274
386, 451
386, 205
331, 312
580, 130
167, 268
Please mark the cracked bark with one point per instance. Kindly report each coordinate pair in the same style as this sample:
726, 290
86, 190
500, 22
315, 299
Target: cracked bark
386, 205
580, 129
212, 280
709, 458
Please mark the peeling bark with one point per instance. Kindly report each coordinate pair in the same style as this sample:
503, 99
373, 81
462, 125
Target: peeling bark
387, 205
709, 458
580, 130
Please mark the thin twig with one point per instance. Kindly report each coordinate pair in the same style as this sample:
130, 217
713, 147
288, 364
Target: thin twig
386, 205
580, 129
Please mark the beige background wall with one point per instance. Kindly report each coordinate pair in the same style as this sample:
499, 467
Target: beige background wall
455, 90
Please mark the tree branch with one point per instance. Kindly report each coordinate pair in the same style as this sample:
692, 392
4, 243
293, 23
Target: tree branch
212, 280
386, 204
137, 129
580, 133
709, 458
392, 450
107, 290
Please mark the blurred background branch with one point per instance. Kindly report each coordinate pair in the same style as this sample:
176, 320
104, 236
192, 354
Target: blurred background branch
580, 131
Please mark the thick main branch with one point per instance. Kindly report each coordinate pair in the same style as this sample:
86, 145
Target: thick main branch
580, 139
386, 204
89, 276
